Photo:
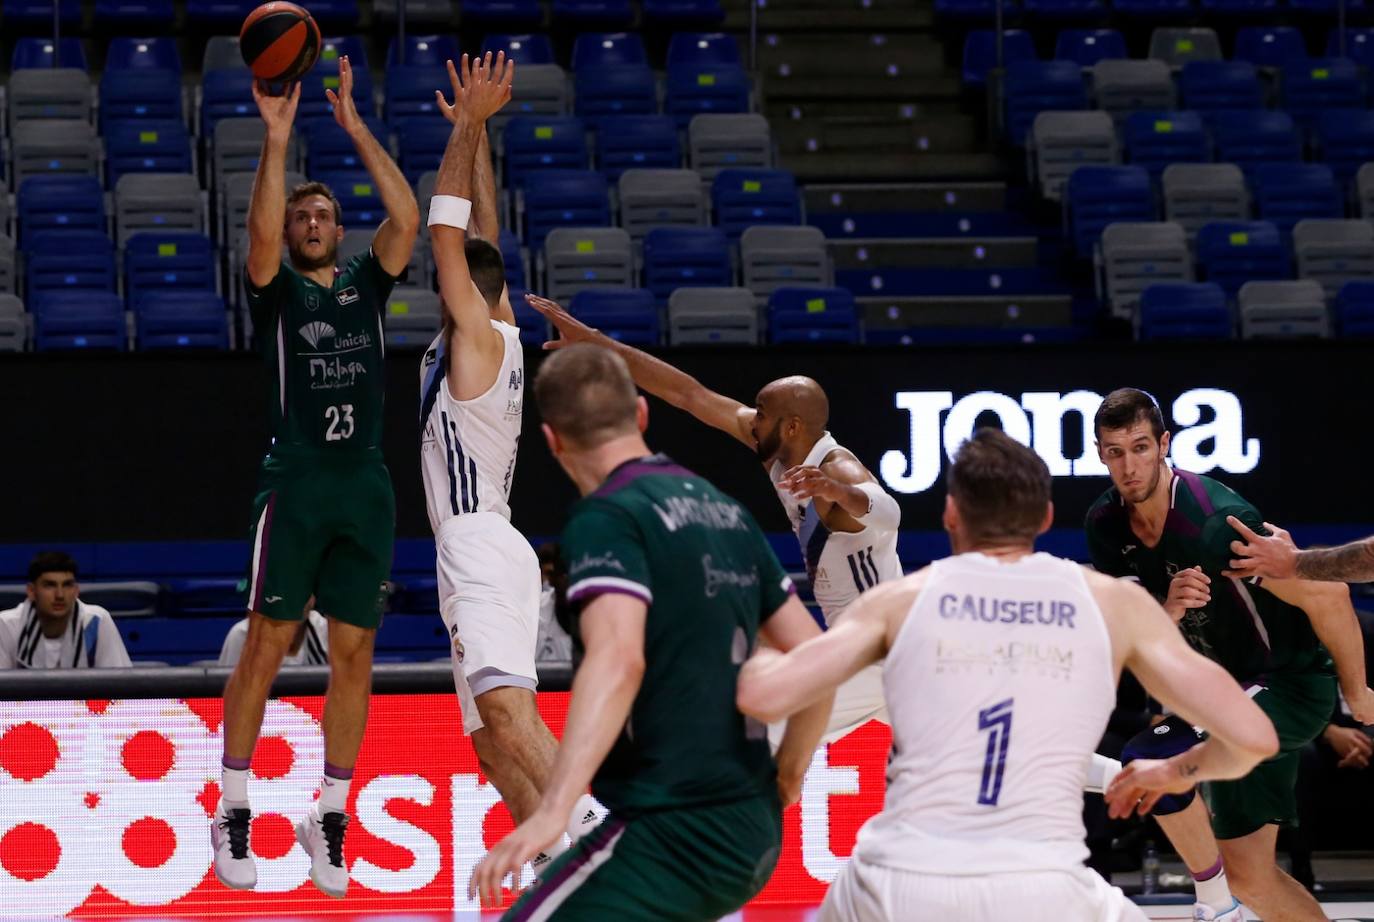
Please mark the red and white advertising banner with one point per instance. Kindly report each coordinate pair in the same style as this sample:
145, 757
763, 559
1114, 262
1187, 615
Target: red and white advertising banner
105, 807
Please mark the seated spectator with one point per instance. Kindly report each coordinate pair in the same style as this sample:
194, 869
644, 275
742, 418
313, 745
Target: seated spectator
554, 645
53, 628
310, 646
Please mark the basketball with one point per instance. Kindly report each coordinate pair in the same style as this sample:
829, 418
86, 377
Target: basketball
279, 41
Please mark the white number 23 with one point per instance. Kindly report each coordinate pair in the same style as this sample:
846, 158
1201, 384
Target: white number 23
340, 422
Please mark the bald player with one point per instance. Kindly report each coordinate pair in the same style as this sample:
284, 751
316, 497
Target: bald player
845, 522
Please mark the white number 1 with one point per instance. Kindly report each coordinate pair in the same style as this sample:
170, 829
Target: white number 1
340, 422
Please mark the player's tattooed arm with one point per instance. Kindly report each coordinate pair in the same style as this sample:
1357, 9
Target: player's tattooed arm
1349, 563
669, 384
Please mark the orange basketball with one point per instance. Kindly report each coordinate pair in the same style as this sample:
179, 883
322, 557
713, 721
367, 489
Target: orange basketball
279, 41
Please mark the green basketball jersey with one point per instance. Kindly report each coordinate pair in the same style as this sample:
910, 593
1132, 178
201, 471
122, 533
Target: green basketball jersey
1249, 631
325, 349
662, 534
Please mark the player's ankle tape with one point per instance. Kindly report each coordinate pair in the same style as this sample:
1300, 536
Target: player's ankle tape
450, 210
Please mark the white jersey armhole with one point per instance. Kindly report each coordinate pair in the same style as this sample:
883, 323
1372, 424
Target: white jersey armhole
496, 326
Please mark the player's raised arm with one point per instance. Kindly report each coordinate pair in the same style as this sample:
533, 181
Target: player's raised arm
849, 485
484, 87
1276, 556
267, 208
395, 238
1190, 685
656, 376
485, 223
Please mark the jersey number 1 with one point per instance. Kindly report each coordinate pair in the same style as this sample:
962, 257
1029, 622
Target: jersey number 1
340, 421
996, 720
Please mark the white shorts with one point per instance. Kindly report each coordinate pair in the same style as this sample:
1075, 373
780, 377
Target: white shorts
871, 893
489, 599
856, 703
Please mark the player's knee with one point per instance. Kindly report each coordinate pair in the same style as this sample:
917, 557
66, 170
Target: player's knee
1164, 741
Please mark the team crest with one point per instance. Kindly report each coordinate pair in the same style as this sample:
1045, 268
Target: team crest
312, 302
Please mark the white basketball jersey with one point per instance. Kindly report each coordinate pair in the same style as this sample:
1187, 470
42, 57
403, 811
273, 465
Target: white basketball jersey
468, 447
999, 685
841, 565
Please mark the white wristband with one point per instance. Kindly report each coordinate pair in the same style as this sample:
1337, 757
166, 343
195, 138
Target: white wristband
450, 210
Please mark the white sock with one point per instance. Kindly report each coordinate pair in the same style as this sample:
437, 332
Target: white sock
333, 795
1214, 891
586, 816
234, 787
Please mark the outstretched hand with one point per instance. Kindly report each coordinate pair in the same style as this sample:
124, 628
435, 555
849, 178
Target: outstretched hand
570, 329
1274, 557
1140, 785
481, 86
345, 111
278, 112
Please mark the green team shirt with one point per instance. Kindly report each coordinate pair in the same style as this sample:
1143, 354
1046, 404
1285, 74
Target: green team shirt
1249, 631
325, 347
660, 533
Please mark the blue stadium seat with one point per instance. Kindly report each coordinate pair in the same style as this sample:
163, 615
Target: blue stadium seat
218, 14
812, 315
980, 52
423, 145
59, 203
608, 49
69, 260
38, 13
513, 259
328, 148
1270, 46
1251, 137
534, 329
139, 94
335, 15
146, 146
533, 142
1355, 309
637, 141
432, 51
564, 198
1064, 10
741, 199
1156, 139
410, 91
129, 14
315, 104
1184, 311
627, 315
1172, 10
682, 14
40, 52
581, 15
1346, 140
1032, 87
1209, 85
703, 48
225, 94
514, 14
156, 53
78, 320
358, 196
1359, 46
960, 11
1242, 8
1327, 7
334, 47
695, 89
685, 257
1232, 253
1285, 193
1096, 196
181, 320
159, 262
530, 48
619, 89
1085, 47
1309, 87
406, 637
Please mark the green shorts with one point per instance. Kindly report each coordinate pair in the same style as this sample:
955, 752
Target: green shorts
322, 526
1300, 705
691, 865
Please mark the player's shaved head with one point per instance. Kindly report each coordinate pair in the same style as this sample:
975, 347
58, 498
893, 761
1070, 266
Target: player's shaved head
586, 395
799, 396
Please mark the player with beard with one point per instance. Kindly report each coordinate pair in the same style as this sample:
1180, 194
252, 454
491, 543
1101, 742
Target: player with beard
1169, 530
324, 518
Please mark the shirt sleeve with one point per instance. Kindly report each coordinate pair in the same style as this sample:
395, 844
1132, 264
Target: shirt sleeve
7, 644
605, 552
775, 586
233, 644
264, 304
110, 653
